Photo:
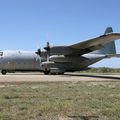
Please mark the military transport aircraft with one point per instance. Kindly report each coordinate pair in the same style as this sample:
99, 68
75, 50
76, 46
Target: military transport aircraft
60, 59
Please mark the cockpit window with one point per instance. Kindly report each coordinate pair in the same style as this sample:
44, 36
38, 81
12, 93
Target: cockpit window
1, 53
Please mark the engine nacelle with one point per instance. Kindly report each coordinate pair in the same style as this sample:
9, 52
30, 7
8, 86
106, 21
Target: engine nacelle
59, 58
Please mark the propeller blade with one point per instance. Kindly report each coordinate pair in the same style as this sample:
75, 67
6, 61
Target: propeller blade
47, 48
38, 52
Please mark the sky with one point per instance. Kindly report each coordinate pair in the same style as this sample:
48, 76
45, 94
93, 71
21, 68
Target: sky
29, 24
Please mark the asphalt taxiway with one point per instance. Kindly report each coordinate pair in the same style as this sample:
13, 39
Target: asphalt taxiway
39, 77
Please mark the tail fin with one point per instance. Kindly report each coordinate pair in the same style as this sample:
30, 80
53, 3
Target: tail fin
108, 30
108, 48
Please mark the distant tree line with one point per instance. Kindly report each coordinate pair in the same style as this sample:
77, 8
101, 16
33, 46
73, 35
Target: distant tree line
103, 70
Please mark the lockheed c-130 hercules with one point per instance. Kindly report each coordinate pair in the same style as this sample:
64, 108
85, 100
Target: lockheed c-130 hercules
60, 59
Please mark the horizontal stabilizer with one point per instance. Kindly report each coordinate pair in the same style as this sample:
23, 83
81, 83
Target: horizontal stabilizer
113, 55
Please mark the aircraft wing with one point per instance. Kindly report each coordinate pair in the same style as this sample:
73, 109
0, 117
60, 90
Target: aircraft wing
93, 44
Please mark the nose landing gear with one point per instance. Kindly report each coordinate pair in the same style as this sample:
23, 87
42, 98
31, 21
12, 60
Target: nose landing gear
3, 72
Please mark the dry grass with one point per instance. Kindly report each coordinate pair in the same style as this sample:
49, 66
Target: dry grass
60, 101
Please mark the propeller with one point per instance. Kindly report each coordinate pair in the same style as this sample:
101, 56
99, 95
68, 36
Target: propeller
38, 52
47, 48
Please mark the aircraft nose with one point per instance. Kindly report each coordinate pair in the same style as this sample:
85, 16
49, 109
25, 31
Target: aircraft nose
1, 57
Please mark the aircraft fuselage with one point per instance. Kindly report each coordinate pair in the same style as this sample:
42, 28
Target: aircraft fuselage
19, 61
11, 61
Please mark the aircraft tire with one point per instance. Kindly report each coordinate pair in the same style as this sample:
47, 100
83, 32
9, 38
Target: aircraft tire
53, 73
46, 72
3, 72
61, 73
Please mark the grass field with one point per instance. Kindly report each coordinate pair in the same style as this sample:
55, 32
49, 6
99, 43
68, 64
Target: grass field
60, 101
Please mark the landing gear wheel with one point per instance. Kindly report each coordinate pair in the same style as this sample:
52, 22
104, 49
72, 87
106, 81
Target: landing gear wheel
46, 72
3, 72
62, 73
53, 73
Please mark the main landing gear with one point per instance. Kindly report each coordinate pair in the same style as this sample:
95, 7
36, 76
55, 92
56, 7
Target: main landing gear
46, 72
51, 73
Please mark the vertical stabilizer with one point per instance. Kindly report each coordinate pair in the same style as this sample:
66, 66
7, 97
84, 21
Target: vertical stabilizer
108, 30
108, 48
